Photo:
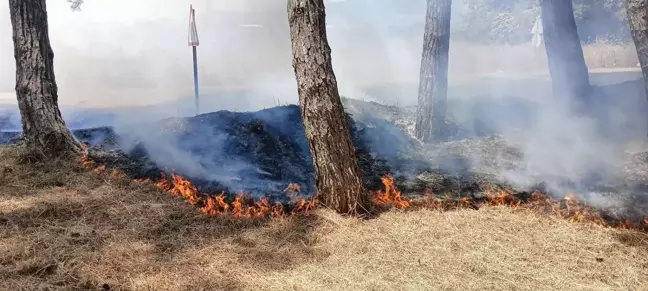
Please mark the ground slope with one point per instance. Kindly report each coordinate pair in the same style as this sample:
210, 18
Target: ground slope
66, 229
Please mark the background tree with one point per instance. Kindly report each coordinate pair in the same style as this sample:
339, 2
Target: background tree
509, 21
337, 175
44, 130
638, 19
601, 20
433, 81
569, 74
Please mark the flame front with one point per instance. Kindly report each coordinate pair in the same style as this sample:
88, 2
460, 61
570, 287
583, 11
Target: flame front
241, 206
183, 187
244, 206
391, 195
569, 207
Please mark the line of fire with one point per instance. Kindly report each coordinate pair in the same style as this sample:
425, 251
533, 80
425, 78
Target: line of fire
324, 145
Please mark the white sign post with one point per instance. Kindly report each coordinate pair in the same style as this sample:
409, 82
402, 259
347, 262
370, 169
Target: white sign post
193, 43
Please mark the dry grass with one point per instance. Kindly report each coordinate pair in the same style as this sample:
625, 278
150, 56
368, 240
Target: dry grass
61, 229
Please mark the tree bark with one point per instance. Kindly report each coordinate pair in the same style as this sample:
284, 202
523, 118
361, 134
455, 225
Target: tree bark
337, 174
44, 130
638, 19
567, 67
433, 80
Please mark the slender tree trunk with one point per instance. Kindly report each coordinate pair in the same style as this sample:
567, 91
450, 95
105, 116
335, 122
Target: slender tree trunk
433, 81
337, 174
569, 75
44, 130
638, 18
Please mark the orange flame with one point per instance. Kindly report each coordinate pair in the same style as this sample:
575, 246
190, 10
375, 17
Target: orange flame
262, 207
569, 207
391, 195
305, 206
215, 206
237, 209
501, 197
242, 206
117, 174
85, 160
464, 202
163, 184
277, 210
182, 187
626, 225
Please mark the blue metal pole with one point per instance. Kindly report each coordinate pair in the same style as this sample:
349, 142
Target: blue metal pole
195, 71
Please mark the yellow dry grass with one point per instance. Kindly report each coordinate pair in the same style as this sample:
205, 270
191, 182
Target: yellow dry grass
62, 229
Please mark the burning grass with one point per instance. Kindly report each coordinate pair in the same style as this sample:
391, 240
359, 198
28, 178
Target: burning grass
568, 208
243, 205
83, 230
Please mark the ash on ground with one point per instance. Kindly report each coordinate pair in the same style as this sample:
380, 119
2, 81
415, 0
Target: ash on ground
474, 158
262, 152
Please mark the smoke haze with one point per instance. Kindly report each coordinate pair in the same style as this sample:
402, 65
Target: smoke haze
115, 53
132, 53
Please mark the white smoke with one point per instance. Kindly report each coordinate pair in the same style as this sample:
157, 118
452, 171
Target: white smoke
134, 53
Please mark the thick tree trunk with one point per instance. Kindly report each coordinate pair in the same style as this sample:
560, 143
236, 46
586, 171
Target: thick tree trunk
569, 75
337, 174
44, 130
433, 81
638, 18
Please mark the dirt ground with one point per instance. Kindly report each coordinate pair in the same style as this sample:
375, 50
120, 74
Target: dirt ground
67, 229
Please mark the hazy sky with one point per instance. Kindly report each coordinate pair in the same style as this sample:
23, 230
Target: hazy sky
111, 47
135, 52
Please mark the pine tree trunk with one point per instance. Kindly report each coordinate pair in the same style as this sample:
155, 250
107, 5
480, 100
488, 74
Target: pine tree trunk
569, 75
433, 81
337, 175
44, 130
638, 18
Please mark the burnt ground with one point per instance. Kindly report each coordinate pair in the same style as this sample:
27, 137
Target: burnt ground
266, 150
474, 157
262, 152
64, 228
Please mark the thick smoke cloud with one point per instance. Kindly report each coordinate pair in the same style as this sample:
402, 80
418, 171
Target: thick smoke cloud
133, 53
115, 53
